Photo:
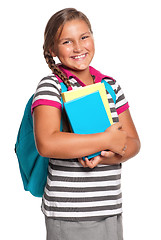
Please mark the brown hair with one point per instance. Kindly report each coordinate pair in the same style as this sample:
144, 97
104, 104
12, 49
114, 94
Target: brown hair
56, 22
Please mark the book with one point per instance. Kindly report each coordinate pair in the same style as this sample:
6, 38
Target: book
79, 92
87, 115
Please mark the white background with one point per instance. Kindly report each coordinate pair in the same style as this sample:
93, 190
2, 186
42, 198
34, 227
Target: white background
128, 48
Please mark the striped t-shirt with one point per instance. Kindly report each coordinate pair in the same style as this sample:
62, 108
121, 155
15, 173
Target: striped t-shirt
72, 192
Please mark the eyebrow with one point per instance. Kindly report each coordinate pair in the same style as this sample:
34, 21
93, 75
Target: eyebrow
68, 38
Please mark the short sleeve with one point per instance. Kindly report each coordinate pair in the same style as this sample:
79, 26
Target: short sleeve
121, 102
47, 93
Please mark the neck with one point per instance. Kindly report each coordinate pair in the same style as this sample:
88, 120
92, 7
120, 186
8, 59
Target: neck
84, 76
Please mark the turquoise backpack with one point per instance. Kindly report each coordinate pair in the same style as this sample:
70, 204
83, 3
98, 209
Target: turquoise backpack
33, 167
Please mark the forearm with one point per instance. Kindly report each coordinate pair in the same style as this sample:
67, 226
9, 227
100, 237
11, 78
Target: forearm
52, 143
133, 147
70, 145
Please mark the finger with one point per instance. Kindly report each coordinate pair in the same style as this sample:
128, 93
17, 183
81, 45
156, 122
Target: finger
122, 153
107, 154
93, 162
89, 163
82, 162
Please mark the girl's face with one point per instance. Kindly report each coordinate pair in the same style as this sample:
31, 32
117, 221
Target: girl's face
75, 46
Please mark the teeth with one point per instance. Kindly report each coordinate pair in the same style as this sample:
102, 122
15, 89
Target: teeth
80, 56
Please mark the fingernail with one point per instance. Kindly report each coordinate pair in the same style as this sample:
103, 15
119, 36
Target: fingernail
103, 153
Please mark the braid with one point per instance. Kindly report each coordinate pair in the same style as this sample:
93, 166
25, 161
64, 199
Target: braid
49, 59
51, 63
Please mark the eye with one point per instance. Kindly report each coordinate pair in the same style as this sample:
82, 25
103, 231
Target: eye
66, 42
85, 37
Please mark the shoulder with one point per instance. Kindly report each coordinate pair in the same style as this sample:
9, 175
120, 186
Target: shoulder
48, 92
121, 102
49, 81
113, 83
110, 80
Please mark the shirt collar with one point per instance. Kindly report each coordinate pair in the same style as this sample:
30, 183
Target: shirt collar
98, 75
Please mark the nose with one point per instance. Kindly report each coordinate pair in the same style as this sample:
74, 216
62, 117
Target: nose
77, 47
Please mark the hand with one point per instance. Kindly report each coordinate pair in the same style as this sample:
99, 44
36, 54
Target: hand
118, 138
93, 162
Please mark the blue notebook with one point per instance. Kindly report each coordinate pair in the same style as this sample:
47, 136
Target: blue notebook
87, 115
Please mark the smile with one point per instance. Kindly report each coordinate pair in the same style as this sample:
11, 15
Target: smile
79, 56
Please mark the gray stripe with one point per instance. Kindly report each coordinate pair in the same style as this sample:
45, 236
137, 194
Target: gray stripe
81, 169
118, 89
87, 189
76, 84
110, 81
113, 110
84, 179
120, 98
110, 100
49, 93
115, 119
53, 78
82, 209
48, 85
87, 199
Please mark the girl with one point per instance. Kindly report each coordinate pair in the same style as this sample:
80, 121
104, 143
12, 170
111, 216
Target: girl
82, 199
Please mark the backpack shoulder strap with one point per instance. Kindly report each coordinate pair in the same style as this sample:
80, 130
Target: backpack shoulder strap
110, 90
63, 89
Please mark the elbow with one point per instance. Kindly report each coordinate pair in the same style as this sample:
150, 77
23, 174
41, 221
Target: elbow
42, 150
47, 148
132, 150
138, 146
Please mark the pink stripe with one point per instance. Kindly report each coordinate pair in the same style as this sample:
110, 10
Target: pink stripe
123, 108
98, 75
45, 102
69, 74
59, 79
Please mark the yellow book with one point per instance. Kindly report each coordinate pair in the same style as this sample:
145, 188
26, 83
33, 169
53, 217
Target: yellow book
80, 92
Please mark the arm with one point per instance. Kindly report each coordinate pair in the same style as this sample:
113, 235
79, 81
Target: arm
133, 142
132, 145
52, 143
